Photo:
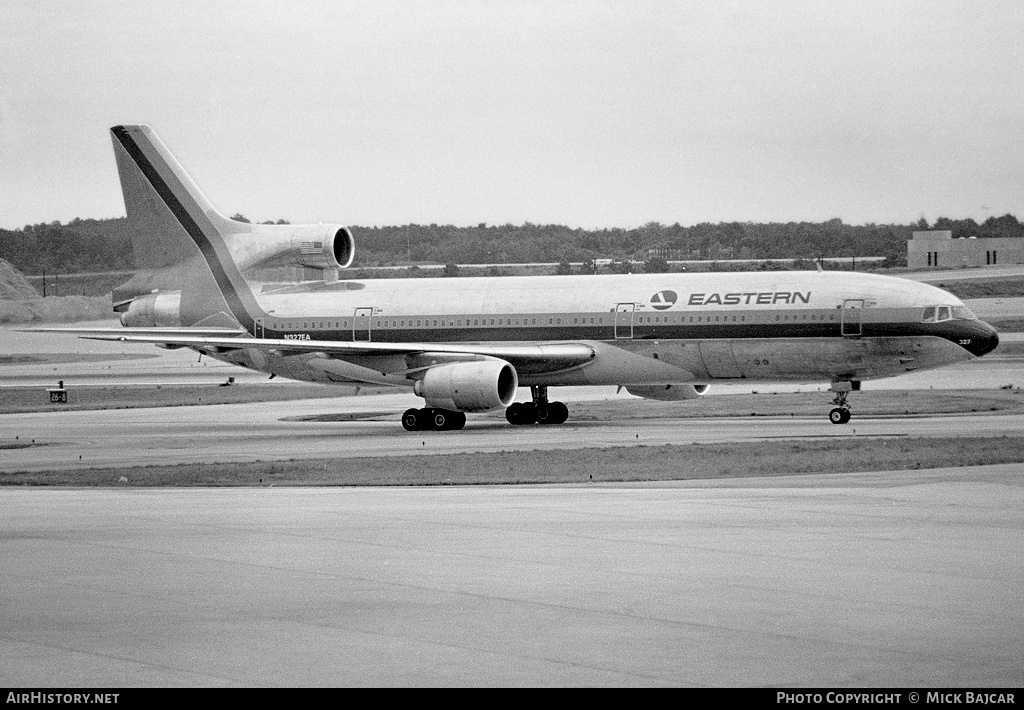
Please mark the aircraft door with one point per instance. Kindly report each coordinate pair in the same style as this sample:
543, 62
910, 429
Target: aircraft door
624, 320
361, 324
851, 317
257, 328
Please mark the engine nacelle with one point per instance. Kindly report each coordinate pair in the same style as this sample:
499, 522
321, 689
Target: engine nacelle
317, 246
154, 310
469, 386
668, 393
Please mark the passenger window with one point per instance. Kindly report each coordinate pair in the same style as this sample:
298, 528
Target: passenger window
929, 315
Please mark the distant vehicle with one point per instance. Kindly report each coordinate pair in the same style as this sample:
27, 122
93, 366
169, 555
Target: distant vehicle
468, 344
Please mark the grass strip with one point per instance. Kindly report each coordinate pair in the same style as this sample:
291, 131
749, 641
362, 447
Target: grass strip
639, 463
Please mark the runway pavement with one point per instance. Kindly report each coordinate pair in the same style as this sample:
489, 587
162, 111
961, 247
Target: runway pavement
908, 579
282, 431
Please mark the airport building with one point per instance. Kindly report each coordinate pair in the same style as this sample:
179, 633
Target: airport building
938, 249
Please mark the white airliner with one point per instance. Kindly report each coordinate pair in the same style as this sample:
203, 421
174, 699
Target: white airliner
467, 344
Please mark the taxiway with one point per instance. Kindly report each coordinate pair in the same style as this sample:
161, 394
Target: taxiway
258, 432
908, 579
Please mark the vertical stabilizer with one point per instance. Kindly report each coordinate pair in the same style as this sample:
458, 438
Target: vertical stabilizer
157, 235
177, 235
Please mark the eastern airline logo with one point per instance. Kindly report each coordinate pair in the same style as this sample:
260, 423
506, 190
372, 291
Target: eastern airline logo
664, 299
760, 298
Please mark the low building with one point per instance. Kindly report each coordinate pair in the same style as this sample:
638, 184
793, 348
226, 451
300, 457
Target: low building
937, 249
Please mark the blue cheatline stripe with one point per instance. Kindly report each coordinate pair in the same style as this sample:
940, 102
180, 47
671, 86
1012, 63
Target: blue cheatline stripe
224, 281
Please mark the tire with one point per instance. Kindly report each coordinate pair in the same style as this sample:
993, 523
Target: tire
441, 420
520, 413
527, 413
560, 413
544, 414
411, 420
512, 413
839, 416
457, 420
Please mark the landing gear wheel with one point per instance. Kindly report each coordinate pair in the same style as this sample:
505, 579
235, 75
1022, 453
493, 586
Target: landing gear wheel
441, 419
559, 413
521, 413
552, 413
543, 413
446, 420
839, 416
413, 419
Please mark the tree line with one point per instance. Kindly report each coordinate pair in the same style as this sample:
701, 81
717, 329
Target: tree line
105, 244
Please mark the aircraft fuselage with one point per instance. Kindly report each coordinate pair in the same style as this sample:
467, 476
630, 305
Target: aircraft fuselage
644, 329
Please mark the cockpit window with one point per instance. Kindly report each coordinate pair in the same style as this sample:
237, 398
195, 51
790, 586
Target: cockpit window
963, 313
937, 314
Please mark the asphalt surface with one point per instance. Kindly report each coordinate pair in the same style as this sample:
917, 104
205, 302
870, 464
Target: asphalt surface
858, 580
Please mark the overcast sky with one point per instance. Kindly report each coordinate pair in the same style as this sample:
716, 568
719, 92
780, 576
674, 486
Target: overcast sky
591, 114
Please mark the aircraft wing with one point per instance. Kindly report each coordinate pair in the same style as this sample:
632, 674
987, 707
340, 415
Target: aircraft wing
533, 356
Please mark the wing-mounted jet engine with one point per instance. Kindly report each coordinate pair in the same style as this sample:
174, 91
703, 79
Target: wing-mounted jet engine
454, 389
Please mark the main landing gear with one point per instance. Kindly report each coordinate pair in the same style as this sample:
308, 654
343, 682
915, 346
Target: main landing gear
539, 411
430, 418
841, 413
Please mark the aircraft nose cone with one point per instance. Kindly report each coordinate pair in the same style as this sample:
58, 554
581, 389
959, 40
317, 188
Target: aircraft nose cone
984, 340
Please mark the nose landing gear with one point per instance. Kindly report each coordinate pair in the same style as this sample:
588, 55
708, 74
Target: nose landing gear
841, 413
